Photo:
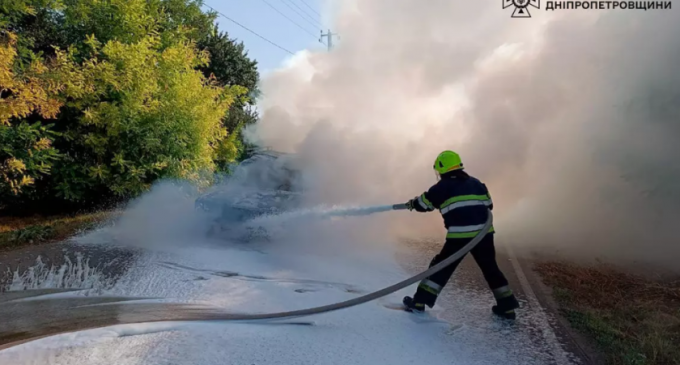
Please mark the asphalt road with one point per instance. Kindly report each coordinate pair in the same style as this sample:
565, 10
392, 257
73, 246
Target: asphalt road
536, 337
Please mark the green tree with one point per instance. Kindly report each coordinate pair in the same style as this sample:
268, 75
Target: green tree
161, 119
39, 24
38, 90
126, 21
229, 62
100, 98
230, 65
184, 19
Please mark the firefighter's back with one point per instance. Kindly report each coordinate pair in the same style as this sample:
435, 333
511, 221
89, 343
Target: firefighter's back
463, 202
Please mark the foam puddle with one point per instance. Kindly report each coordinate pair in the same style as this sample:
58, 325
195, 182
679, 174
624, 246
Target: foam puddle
323, 341
356, 335
76, 274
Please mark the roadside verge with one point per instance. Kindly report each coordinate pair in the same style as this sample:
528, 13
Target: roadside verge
629, 319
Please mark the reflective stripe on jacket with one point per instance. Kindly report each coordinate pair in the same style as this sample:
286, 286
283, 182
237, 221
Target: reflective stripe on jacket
463, 202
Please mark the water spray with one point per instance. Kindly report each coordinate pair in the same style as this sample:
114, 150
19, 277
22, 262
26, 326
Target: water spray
321, 213
348, 212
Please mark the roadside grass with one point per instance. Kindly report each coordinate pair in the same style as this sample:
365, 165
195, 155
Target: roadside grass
632, 320
20, 231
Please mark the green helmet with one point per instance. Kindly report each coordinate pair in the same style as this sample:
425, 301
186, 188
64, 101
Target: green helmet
447, 161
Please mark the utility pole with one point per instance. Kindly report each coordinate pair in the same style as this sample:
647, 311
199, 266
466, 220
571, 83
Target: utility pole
328, 35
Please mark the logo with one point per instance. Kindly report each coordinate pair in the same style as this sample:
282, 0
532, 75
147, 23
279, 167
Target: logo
521, 7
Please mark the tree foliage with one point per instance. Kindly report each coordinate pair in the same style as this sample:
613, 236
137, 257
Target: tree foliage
230, 65
229, 62
119, 94
26, 151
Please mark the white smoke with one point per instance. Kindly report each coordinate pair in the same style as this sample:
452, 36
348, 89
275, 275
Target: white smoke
570, 117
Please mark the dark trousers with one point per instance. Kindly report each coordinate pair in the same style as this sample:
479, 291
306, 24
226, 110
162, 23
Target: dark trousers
485, 256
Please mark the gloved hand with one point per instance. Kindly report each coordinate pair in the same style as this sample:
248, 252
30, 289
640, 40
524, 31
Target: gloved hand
410, 205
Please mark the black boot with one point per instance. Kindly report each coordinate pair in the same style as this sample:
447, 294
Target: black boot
413, 307
505, 307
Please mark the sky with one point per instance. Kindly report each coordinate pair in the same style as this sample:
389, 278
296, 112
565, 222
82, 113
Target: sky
264, 20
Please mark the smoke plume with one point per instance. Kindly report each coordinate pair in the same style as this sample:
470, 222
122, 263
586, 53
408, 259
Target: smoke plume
572, 118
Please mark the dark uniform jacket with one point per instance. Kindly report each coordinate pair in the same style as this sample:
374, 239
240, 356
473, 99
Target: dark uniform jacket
463, 202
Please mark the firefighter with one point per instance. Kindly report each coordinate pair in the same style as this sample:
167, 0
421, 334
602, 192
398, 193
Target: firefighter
463, 202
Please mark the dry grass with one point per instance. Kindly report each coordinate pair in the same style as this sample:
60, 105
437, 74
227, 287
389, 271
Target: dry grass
20, 231
633, 320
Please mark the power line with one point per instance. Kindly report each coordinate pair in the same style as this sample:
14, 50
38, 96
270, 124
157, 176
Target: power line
289, 19
302, 13
312, 9
248, 29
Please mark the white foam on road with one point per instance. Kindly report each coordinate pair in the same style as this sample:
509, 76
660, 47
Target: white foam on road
76, 274
368, 334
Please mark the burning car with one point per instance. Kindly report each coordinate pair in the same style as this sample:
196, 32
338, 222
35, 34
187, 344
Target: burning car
266, 183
